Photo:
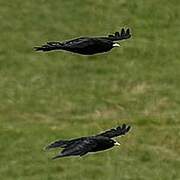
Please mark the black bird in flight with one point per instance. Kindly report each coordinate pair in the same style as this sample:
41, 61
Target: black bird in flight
87, 45
84, 145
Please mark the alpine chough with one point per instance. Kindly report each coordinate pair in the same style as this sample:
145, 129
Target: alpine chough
88, 45
84, 145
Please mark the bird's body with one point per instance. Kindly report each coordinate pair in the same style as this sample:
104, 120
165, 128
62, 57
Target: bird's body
87, 45
84, 145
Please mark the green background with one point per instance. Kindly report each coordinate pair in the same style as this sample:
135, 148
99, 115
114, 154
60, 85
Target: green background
57, 95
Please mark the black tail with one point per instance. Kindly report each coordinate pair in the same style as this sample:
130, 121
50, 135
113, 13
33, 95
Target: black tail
49, 46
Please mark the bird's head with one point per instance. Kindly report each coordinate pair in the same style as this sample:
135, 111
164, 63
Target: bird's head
116, 45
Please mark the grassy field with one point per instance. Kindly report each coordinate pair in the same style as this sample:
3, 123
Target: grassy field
49, 96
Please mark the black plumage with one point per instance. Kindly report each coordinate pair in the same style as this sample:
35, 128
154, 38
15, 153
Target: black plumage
83, 145
87, 45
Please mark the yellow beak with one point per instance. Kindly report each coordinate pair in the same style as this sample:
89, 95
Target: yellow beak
116, 45
116, 144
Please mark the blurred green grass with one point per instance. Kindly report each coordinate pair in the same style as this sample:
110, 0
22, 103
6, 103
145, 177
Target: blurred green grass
48, 96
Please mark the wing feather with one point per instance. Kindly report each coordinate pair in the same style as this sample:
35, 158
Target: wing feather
119, 131
77, 148
62, 143
120, 36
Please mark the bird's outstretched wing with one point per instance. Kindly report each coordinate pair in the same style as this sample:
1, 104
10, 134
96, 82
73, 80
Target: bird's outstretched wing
80, 147
117, 36
62, 143
120, 130
49, 46
81, 42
